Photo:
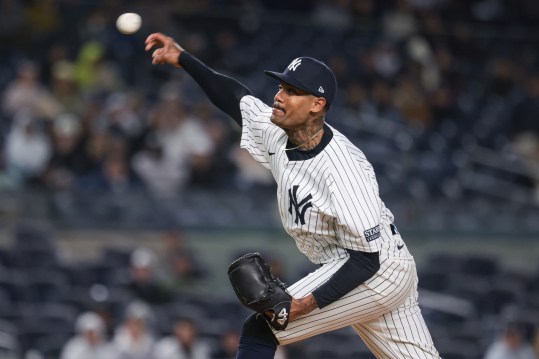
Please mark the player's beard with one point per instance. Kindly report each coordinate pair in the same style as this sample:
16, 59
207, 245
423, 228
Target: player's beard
278, 115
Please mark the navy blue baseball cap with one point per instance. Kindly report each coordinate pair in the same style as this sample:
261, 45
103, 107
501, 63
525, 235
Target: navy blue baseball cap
309, 75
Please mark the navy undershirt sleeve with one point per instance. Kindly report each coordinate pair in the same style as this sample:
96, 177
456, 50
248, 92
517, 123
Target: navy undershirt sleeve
223, 91
360, 267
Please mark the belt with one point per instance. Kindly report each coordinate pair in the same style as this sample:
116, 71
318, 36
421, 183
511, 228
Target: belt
394, 229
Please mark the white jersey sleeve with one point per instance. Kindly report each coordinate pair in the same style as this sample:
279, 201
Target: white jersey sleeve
356, 202
255, 124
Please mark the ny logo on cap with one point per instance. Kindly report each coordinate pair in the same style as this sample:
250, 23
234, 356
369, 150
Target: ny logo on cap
294, 64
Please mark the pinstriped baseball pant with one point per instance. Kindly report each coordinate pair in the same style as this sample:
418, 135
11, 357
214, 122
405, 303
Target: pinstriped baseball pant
383, 311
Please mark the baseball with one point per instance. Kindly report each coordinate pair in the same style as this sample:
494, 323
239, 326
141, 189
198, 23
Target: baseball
128, 23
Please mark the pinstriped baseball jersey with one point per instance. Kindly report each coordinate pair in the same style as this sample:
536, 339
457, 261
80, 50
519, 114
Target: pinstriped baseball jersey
327, 203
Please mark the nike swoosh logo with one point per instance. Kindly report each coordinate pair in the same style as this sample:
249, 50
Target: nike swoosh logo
271, 153
400, 247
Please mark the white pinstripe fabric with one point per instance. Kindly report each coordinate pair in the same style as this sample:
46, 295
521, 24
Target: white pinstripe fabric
345, 200
344, 204
401, 333
383, 311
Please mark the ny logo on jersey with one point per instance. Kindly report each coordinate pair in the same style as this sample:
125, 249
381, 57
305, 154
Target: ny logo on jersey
299, 207
294, 64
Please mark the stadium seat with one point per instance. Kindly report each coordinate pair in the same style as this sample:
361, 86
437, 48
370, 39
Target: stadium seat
497, 298
33, 332
5, 258
212, 328
456, 349
41, 320
182, 310
448, 261
33, 258
32, 237
12, 313
116, 257
472, 288
434, 280
323, 348
9, 346
76, 297
46, 286
97, 272
14, 284
50, 346
55, 313
480, 265
7, 327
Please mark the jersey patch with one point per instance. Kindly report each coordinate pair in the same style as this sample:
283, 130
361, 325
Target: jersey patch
372, 234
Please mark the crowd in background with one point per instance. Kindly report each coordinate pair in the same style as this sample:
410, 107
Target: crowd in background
83, 109
125, 303
156, 301
135, 331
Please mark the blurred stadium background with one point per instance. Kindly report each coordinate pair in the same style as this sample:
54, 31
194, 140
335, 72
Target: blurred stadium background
124, 193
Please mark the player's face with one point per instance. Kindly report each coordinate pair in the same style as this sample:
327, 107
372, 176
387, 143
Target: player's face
292, 107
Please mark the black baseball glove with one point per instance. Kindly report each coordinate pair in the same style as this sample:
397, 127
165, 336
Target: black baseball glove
259, 290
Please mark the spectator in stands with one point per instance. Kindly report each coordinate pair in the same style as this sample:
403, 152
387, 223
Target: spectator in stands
399, 22
68, 159
134, 339
410, 100
380, 105
174, 240
159, 173
228, 345
355, 96
183, 344
63, 86
535, 341
122, 113
89, 341
28, 148
26, 92
526, 111
184, 274
524, 129
92, 73
250, 173
144, 282
96, 147
387, 60
217, 170
511, 345
182, 136
333, 14
365, 13
182, 269
114, 177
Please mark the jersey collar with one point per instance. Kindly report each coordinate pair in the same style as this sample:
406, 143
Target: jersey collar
298, 155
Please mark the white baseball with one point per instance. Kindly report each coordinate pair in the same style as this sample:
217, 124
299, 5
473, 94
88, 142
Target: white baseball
129, 23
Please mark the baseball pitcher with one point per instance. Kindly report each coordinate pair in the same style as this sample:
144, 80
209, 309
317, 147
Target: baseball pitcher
329, 203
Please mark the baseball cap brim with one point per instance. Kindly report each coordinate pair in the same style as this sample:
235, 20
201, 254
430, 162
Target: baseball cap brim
289, 80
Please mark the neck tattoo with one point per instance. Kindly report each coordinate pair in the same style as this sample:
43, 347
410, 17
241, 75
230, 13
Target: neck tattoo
304, 143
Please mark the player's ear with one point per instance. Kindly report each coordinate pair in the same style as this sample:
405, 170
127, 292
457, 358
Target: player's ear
319, 104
